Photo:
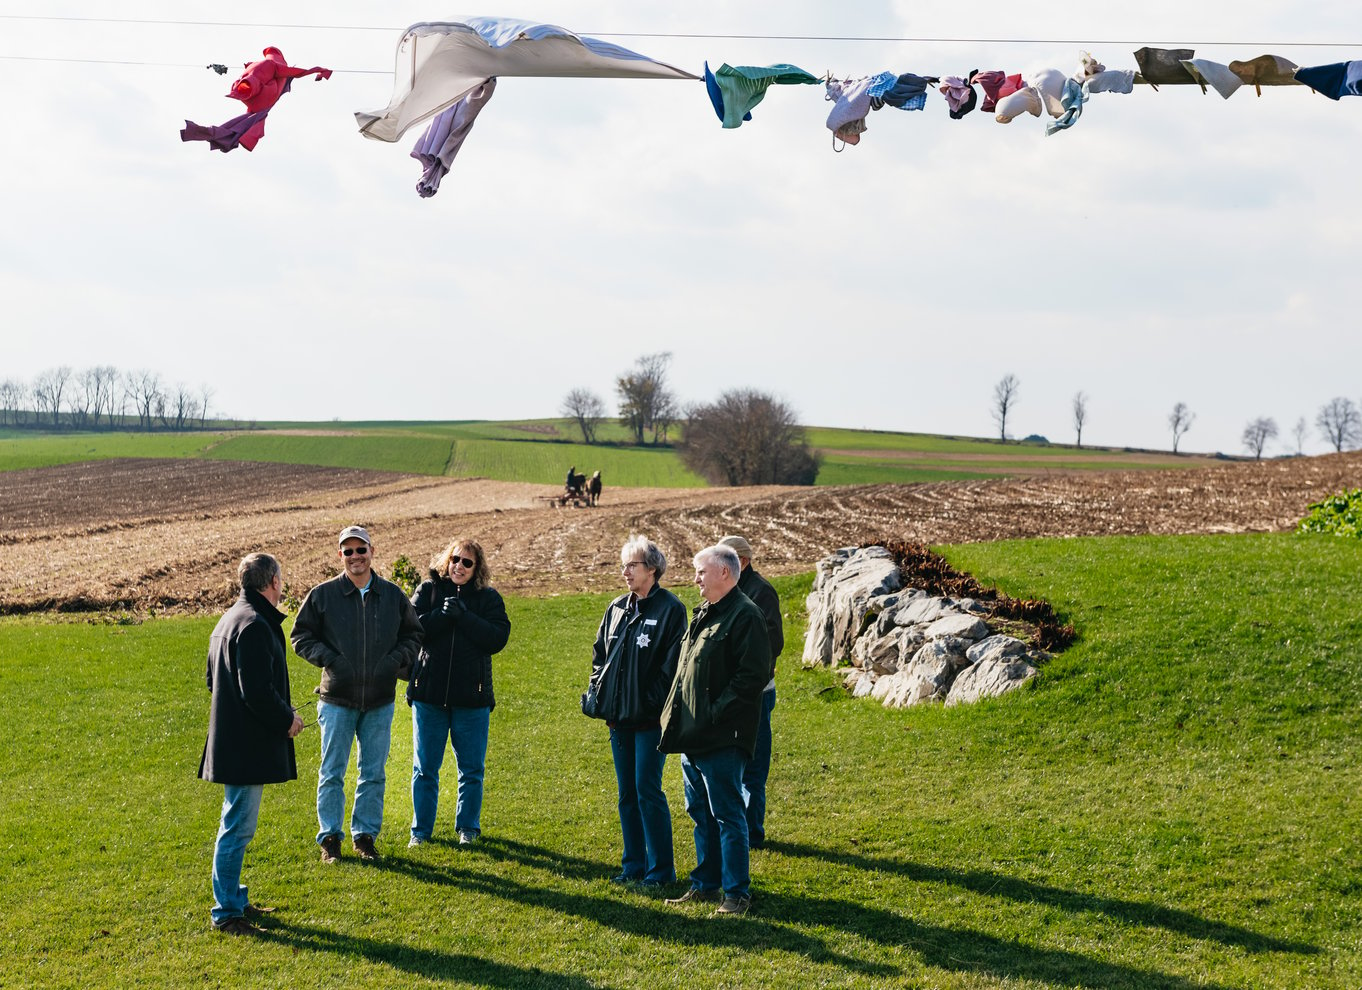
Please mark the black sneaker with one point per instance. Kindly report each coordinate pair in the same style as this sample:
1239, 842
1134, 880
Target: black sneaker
364, 848
331, 851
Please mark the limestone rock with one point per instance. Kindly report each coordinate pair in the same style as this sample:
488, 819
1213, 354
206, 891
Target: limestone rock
959, 625
988, 679
847, 581
996, 647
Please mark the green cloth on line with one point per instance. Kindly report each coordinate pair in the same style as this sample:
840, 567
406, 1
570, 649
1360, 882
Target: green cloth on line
744, 86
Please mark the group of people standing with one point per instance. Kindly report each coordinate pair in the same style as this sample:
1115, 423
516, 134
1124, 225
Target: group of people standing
703, 688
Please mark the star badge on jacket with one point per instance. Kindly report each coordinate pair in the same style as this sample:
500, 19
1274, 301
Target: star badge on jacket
643, 640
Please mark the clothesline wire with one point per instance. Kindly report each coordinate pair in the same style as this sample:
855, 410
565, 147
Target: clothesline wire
695, 36
163, 65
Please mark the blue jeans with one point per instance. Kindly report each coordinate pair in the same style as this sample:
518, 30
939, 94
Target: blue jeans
466, 730
645, 818
758, 769
240, 809
714, 803
340, 727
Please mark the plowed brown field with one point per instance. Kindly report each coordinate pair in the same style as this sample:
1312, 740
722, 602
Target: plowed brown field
133, 534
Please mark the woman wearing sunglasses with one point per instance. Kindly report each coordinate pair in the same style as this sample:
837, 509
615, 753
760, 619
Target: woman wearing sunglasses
450, 691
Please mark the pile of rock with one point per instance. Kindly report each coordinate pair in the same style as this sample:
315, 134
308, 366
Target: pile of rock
906, 646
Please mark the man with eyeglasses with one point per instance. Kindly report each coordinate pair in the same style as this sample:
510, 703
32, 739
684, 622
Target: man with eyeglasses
363, 632
251, 725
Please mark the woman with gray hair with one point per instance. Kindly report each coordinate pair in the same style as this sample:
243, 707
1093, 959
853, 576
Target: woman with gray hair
632, 665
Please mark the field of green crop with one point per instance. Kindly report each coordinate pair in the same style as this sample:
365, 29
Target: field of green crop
1172, 805
542, 450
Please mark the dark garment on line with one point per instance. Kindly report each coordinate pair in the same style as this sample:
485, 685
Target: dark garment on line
245, 131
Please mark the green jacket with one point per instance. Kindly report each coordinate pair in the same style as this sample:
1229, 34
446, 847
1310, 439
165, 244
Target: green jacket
725, 662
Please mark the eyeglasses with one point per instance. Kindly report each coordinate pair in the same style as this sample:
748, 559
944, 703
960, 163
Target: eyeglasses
313, 715
470, 564
635, 563
353, 550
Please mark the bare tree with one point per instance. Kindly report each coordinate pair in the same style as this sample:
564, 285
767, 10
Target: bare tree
1080, 416
1299, 433
12, 394
748, 438
586, 407
48, 388
1004, 398
144, 389
84, 397
181, 405
1340, 423
1258, 433
642, 391
665, 413
1180, 421
205, 397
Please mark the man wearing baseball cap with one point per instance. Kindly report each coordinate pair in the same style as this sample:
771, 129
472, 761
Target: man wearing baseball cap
757, 588
363, 632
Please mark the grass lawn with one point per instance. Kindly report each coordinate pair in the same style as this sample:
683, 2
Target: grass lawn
1174, 805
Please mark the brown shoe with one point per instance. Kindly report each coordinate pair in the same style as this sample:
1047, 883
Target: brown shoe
696, 896
736, 906
255, 911
364, 848
237, 926
331, 852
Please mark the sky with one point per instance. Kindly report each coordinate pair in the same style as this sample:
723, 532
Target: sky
1170, 247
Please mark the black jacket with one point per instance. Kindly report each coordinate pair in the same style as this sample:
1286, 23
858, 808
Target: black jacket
363, 643
757, 588
724, 665
250, 712
454, 669
634, 659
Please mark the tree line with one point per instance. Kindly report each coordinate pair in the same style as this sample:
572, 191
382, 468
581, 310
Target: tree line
1339, 421
745, 437
103, 397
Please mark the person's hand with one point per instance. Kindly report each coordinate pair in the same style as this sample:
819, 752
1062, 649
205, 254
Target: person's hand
296, 727
453, 606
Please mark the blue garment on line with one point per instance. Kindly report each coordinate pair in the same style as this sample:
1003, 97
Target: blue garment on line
716, 95
1335, 81
1072, 100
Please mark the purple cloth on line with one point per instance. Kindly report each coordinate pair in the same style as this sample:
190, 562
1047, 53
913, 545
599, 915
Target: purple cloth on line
437, 147
226, 136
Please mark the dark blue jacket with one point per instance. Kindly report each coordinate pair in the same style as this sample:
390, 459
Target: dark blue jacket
633, 660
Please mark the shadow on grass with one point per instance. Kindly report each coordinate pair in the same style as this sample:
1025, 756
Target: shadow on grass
999, 885
425, 963
650, 920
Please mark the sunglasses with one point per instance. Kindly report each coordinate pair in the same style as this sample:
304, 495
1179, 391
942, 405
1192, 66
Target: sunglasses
312, 715
470, 564
348, 551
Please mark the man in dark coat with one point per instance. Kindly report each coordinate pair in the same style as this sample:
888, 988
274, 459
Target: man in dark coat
710, 718
757, 588
364, 634
251, 725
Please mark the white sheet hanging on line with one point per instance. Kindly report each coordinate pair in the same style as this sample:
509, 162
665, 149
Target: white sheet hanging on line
439, 62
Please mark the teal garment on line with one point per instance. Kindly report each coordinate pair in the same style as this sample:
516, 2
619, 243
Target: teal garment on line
1073, 98
745, 86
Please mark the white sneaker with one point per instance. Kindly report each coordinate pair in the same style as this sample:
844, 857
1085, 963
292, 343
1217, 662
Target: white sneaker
416, 840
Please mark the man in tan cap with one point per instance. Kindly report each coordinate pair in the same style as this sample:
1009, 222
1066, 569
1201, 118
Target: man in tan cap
363, 632
757, 588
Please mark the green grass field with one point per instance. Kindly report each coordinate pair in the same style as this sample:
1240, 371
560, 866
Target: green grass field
1173, 805
541, 451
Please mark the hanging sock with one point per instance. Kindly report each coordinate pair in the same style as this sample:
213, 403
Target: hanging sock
1026, 100
1163, 66
1072, 101
905, 92
1216, 75
1266, 70
1334, 81
959, 94
438, 146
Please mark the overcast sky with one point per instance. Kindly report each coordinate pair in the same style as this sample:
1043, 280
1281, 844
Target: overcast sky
1172, 246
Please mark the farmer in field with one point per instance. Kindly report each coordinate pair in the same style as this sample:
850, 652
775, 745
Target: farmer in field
450, 693
710, 718
251, 725
632, 665
363, 633
757, 588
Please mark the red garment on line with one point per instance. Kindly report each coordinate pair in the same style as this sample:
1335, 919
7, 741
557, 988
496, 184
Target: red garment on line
263, 82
